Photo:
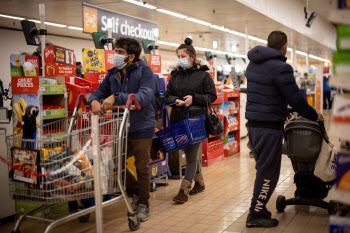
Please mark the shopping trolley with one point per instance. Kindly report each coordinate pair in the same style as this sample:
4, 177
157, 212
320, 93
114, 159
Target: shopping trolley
59, 166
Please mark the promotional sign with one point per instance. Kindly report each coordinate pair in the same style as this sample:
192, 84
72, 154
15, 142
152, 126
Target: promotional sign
153, 61
95, 20
94, 60
211, 69
25, 160
95, 77
59, 61
109, 59
25, 85
20, 103
22, 65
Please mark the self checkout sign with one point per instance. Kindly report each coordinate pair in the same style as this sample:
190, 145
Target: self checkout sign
95, 20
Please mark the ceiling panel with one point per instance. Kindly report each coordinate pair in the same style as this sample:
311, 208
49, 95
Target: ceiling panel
228, 13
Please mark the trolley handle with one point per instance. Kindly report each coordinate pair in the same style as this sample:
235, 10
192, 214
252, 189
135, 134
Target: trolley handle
81, 98
132, 99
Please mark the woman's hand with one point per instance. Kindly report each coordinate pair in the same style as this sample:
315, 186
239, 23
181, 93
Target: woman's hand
188, 100
179, 103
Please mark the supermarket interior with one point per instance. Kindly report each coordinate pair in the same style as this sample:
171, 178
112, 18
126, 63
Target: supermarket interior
75, 123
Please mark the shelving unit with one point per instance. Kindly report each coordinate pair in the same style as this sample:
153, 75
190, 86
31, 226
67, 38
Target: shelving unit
232, 113
212, 148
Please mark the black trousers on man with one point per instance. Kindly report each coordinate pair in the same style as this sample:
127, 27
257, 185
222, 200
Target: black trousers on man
267, 149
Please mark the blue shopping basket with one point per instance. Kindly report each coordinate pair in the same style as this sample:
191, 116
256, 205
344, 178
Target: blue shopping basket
183, 133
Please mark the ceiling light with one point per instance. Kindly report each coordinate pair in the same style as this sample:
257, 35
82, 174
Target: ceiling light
56, 24
172, 13
35, 21
198, 21
319, 58
236, 33
289, 61
141, 4
75, 28
220, 28
48, 23
215, 44
300, 53
289, 49
257, 39
11, 17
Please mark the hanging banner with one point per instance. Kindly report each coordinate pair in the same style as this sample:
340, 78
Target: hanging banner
95, 20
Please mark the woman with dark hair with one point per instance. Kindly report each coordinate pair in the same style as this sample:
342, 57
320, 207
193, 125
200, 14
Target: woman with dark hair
190, 86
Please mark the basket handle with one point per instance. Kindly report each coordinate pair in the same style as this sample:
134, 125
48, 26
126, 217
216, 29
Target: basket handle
132, 99
165, 108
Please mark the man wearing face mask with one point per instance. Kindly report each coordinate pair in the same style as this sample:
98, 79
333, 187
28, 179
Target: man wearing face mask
271, 87
120, 81
79, 70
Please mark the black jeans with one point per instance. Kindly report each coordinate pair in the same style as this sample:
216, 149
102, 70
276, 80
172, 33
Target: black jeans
267, 150
327, 98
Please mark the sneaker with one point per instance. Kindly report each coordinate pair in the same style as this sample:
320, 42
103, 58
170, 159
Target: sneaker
143, 213
261, 221
267, 213
134, 203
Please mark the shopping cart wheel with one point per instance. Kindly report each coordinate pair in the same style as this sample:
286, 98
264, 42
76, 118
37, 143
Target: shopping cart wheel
133, 226
84, 219
280, 205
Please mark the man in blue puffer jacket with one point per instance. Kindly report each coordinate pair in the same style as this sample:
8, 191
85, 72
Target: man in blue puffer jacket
120, 81
271, 87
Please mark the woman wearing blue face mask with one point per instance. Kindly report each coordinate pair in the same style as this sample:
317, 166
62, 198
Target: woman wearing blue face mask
189, 86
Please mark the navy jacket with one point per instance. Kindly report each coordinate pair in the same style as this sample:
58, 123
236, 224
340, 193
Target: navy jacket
141, 121
271, 87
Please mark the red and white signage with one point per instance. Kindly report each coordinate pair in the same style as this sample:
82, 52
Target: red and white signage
95, 77
25, 85
59, 61
109, 59
155, 63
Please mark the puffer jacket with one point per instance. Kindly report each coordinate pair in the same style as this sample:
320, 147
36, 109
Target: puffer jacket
271, 87
194, 81
141, 121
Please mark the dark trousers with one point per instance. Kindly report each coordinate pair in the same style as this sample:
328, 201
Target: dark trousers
267, 150
193, 164
141, 148
327, 98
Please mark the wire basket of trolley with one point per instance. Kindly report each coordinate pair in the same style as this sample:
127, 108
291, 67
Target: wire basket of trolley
72, 159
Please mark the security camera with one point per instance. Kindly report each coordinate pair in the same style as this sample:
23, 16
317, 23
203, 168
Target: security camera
311, 19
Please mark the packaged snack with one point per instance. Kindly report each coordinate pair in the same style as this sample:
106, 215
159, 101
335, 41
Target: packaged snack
85, 165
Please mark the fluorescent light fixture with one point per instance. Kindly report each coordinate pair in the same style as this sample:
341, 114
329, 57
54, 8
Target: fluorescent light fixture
11, 17
141, 4
198, 21
56, 24
257, 39
289, 49
48, 23
236, 33
75, 28
300, 53
172, 13
220, 28
289, 61
319, 58
35, 21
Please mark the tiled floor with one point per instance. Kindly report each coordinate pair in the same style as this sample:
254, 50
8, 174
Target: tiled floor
222, 207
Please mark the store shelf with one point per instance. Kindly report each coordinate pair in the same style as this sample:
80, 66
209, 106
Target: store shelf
233, 128
341, 196
211, 136
231, 148
53, 114
233, 111
52, 89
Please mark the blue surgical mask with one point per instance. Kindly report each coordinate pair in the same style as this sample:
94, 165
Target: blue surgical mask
184, 63
119, 61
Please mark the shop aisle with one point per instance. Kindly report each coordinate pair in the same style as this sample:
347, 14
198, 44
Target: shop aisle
222, 207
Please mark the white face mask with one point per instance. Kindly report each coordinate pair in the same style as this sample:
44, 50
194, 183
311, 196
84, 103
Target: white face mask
119, 61
184, 63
